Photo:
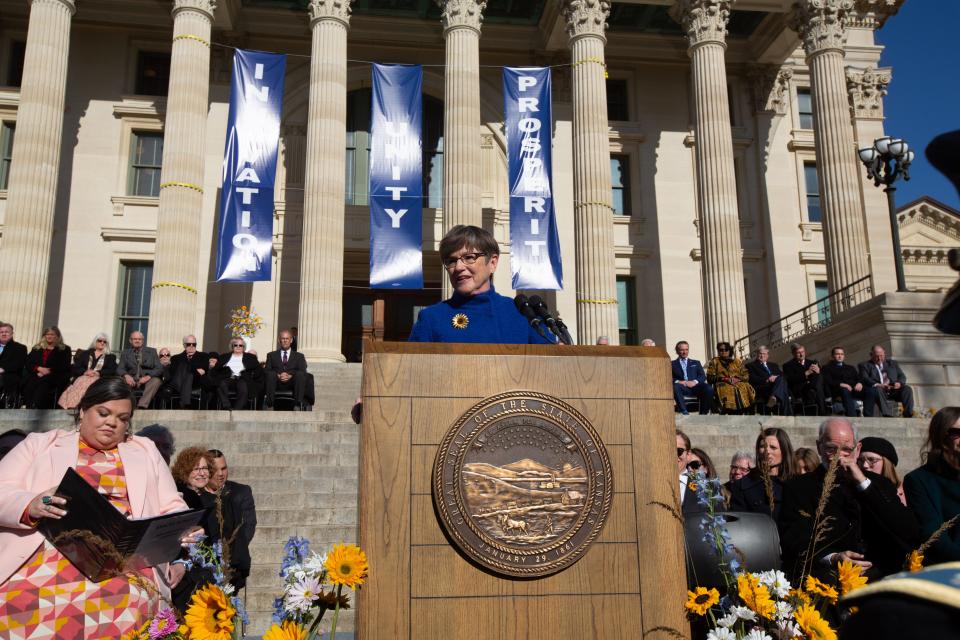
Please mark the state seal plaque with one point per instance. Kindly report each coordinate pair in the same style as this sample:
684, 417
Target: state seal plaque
522, 484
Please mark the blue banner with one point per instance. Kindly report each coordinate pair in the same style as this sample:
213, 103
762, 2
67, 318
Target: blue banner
250, 167
396, 177
534, 246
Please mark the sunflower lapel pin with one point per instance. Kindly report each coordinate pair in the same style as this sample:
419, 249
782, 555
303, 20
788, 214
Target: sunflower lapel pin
460, 321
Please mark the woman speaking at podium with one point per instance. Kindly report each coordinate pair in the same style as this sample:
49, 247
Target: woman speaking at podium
42, 594
475, 312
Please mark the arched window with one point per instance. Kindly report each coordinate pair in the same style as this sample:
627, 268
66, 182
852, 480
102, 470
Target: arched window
358, 149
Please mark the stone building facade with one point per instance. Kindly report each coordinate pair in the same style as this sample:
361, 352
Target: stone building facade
705, 170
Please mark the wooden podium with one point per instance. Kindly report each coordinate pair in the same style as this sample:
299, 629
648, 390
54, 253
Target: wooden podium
630, 582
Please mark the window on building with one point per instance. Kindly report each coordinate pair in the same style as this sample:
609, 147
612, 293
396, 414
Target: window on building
18, 48
7, 130
626, 310
133, 299
153, 73
146, 155
812, 186
805, 108
620, 183
823, 308
357, 187
618, 104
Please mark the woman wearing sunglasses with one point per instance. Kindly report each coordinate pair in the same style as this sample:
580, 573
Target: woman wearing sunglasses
239, 372
89, 365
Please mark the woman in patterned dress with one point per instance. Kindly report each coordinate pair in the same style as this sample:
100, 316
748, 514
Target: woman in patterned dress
729, 379
42, 595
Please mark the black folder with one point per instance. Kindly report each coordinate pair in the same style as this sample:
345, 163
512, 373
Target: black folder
102, 543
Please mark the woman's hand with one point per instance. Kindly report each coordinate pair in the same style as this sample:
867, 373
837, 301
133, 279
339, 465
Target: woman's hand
43, 371
91, 373
47, 505
193, 536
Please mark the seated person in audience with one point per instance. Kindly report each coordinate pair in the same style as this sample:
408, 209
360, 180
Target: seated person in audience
245, 513
729, 379
880, 456
286, 369
237, 371
775, 458
13, 356
862, 521
688, 497
884, 383
767, 380
740, 465
804, 379
648, 342
933, 490
141, 368
699, 459
47, 370
805, 460
162, 437
842, 381
89, 365
188, 371
603, 340
689, 379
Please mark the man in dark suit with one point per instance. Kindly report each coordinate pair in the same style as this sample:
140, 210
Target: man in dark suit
141, 368
840, 380
239, 370
689, 379
688, 492
241, 498
13, 355
804, 379
863, 520
187, 371
768, 381
285, 369
883, 380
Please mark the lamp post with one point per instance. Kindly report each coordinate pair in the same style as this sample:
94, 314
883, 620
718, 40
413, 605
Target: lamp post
888, 159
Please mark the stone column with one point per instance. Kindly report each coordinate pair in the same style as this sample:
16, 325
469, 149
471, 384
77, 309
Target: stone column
462, 163
321, 270
173, 299
820, 24
724, 303
596, 279
32, 188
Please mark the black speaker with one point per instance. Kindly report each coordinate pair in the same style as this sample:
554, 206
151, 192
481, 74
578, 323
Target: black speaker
754, 535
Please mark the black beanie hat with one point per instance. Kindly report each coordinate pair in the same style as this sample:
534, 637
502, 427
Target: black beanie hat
880, 446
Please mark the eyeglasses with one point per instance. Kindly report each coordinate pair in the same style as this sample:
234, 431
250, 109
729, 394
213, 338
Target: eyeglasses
201, 469
101, 340
680, 451
189, 344
869, 461
694, 464
165, 355
237, 344
830, 448
953, 433
736, 468
467, 259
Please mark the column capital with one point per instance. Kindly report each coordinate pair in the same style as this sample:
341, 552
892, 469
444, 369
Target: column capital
70, 5
872, 14
820, 23
866, 88
461, 14
338, 10
206, 7
770, 84
703, 20
586, 17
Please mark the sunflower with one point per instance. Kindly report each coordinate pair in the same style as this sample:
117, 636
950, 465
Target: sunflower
460, 321
799, 597
288, 631
813, 626
849, 577
210, 615
755, 596
818, 588
914, 561
700, 601
347, 565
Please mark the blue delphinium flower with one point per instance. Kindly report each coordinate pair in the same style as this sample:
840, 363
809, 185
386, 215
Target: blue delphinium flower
713, 524
295, 552
241, 610
279, 615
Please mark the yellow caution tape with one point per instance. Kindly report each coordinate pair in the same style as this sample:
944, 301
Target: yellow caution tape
187, 36
185, 185
166, 283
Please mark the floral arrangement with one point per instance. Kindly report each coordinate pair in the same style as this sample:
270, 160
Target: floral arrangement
764, 605
244, 322
301, 607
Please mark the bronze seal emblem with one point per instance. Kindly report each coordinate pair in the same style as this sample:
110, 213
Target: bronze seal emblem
522, 484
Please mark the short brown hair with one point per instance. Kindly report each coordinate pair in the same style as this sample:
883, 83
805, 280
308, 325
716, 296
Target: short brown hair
186, 460
470, 237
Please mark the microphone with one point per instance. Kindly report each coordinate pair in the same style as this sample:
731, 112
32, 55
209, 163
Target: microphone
555, 325
523, 306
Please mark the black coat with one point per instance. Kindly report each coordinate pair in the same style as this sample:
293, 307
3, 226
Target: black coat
295, 362
58, 362
180, 364
933, 494
83, 360
758, 376
873, 522
834, 376
749, 494
13, 358
796, 374
252, 371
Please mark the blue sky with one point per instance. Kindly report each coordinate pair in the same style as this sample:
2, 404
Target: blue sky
924, 95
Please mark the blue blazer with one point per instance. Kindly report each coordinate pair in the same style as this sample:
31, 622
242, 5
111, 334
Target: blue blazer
694, 371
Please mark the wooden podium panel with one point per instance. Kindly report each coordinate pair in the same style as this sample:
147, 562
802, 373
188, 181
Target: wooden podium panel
630, 583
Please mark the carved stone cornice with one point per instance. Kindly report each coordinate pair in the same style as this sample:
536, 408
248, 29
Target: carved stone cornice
461, 14
703, 20
771, 85
866, 88
69, 5
871, 14
820, 23
586, 17
207, 7
338, 10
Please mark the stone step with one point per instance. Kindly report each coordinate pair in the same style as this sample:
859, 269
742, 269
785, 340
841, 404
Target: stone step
280, 487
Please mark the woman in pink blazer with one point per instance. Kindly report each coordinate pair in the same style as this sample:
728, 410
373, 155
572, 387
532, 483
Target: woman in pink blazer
128, 471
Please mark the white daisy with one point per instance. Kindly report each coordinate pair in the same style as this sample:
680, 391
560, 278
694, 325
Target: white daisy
314, 564
784, 610
228, 589
300, 596
757, 634
728, 620
789, 629
743, 613
721, 634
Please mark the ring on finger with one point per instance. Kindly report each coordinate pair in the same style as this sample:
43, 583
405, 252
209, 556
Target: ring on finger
46, 499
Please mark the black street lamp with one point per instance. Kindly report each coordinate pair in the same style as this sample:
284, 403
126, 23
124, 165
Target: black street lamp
888, 159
